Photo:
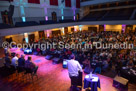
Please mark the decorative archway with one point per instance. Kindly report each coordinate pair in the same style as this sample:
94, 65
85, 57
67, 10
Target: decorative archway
54, 16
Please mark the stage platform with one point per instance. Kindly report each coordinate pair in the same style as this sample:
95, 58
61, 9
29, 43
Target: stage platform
51, 78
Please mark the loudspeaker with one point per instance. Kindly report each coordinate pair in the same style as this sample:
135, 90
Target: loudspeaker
120, 82
11, 10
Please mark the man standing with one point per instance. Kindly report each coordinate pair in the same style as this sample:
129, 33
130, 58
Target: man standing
73, 69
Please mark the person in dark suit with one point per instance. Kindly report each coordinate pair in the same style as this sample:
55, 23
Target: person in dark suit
7, 60
29, 64
21, 61
118, 66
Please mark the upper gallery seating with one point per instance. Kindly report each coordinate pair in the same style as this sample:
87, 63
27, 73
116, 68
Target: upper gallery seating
113, 4
66, 20
2, 26
43, 22
115, 14
135, 16
118, 14
28, 23
93, 16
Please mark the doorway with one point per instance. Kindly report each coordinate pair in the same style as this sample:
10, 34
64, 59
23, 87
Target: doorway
31, 38
77, 16
54, 16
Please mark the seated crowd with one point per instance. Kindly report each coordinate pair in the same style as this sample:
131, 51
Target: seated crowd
19, 62
92, 57
102, 59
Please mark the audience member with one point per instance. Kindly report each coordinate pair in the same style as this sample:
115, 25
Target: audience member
14, 61
130, 64
21, 61
7, 60
29, 64
104, 58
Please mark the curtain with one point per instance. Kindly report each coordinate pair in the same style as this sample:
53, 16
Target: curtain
7, 0
37, 1
77, 3
68, 3
34, 1
54, 2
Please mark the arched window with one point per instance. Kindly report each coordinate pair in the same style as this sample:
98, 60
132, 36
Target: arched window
54, 16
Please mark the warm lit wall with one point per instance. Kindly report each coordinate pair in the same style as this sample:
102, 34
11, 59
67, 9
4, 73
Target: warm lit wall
134, 27
16, 38
36, 35
19, 37
113, 28
69, 29
48, 33
76, 28
85, 27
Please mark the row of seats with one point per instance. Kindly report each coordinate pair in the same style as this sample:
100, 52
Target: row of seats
2, 26
135, 16
116, 14
23, 24
42, 22
52, 22
94, 16
21, 73
66, 20
113, 4
33, 23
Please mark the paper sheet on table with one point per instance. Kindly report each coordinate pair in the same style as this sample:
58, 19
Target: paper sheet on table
94, 79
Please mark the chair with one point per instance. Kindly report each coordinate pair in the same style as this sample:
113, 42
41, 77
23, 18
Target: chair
97, 70
19, 70
12, 70
2, 62
7, 69
74, 88
30, 71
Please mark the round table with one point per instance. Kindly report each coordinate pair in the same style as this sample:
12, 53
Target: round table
92, 83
